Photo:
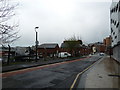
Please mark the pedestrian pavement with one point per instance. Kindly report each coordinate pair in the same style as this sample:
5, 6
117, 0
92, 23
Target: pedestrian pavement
34, 64
104, 74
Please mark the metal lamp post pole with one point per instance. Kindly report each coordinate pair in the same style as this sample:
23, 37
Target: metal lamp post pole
8, 54
36, 42
36, 47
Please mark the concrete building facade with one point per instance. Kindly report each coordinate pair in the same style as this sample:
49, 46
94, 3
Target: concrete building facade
115, 28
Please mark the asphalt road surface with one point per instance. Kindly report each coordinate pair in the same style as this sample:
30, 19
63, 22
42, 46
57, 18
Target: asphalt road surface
60, 75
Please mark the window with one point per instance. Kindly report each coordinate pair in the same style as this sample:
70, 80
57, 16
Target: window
113, 33
114, 9
110, 11
65, 54
117, 25
119, 6
111, 21
111, 30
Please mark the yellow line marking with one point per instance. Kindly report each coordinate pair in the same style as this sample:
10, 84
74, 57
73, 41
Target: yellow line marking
73, 84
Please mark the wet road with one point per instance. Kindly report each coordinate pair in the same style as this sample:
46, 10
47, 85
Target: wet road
60, 75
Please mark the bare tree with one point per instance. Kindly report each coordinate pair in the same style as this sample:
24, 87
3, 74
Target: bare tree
8, 33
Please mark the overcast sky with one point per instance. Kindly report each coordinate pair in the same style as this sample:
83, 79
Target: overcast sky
60, 19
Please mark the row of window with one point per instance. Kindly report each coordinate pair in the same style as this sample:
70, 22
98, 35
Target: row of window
115, 23
115, 38
113, 32
116, 8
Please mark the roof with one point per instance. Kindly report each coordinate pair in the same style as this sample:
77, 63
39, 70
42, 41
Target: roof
48, 45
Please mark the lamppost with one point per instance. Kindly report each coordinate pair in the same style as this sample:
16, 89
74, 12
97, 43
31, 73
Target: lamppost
36, 42
8, 54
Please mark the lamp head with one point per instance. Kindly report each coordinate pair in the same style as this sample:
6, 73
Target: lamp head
36, 28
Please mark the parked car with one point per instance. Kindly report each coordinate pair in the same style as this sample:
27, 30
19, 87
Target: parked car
101, 54
64, 54
0, 59
4, 59
90, 54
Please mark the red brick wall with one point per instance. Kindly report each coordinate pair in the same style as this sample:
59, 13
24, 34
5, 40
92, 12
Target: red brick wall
46, 51
83, 51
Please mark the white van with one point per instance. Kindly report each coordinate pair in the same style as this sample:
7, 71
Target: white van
64, 55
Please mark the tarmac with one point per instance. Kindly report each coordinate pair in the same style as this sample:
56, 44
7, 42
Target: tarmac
35, 64
104, 74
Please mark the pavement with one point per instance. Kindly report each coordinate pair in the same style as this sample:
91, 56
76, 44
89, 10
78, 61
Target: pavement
34, 64
104, 74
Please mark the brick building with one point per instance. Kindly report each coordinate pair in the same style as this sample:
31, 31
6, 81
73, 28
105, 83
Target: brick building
107, 42
98, 46
48, 49
77, 49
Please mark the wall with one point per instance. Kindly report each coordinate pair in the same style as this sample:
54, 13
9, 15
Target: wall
116, 53
114, 17
115, 30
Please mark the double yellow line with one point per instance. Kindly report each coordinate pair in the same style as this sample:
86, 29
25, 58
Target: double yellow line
74, 82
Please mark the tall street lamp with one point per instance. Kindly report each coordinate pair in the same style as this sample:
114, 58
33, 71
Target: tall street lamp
36, 42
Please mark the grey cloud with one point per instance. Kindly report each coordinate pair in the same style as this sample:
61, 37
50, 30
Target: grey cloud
90, 20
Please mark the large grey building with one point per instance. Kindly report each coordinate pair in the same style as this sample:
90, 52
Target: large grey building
115, 28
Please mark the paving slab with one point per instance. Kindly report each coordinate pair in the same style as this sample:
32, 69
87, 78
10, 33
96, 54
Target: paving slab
105, 74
